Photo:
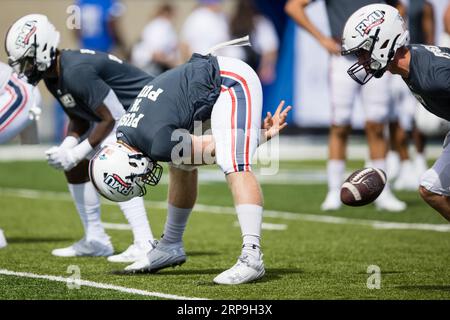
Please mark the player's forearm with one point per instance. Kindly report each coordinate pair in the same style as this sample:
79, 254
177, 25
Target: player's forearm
296, 10
77, 127
100, 132
202, 146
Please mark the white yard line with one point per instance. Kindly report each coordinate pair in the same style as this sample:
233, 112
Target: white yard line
376, 224
97, 285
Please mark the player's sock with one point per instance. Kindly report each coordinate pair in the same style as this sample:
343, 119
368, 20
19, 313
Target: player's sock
176, 223
250, 220
87, 202
335, 172
136, 215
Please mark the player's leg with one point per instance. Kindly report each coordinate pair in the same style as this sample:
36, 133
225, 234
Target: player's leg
435, 185
87, 201
376, 108
16, 103
235, 123
342, 94
182, 195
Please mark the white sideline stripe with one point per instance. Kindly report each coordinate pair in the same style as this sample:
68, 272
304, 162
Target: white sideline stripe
97, 285
376, 224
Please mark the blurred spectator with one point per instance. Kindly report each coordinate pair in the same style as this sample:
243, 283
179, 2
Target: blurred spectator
100, 25
155, 53
262, 55
205, 27
445, 37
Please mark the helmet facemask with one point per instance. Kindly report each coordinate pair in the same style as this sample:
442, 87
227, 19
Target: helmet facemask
367, 67
151, 176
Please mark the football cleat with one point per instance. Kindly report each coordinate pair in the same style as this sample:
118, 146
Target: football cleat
92, 248
388, 202
134, 253
3, 242
247, 269
160, 257
332, 201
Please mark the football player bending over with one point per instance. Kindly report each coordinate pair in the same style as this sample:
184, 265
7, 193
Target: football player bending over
377, 35
19, 111
226, 91
94, 90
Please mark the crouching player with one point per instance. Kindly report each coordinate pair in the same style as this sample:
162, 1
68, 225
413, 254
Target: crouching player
377, 35
226, 91
19, 111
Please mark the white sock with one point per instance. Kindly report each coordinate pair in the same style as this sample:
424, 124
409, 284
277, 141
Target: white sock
176, 224
3, 242
134, 211
250, 220
335, 172
87, 202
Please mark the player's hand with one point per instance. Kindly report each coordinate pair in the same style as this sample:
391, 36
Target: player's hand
330, 45
61, 158
273, 125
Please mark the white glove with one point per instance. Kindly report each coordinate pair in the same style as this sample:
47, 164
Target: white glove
66, 159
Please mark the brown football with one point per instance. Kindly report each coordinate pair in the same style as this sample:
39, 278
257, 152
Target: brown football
363, 187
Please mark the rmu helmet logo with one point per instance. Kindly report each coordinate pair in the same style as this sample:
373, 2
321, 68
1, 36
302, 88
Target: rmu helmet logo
26, 33
374, 19
115, 182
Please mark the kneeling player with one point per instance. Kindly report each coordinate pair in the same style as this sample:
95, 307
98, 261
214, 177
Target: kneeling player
228, 92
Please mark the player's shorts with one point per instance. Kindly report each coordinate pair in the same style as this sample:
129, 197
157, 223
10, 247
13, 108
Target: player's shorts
236, 116
437, 178
16, 102
344, 90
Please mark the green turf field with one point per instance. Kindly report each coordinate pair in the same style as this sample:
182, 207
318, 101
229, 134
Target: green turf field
315, 257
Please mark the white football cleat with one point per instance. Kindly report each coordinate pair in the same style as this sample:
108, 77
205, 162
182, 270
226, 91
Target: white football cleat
388, 202
247, 269
160, 257
332, 202
92, 248
134, 253
3, 242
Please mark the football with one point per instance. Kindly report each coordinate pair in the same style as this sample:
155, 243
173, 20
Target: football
363, 187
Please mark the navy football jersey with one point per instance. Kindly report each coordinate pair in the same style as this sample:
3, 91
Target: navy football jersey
87, 76
429, 78
173, 100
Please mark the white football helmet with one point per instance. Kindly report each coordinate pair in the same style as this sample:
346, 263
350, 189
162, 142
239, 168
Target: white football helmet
373, 33
31, 44
120, 173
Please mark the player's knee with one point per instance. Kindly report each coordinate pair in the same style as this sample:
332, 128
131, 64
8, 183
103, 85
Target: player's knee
375, 129
340, 131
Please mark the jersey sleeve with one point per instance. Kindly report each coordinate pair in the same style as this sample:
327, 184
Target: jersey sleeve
84, 82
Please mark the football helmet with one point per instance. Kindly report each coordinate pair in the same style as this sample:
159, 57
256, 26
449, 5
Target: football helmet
120, 173
373, 33
31, 44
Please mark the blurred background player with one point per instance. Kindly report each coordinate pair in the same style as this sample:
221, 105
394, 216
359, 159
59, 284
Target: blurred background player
19, 111
343, 91
94, 89
100, 26
155, 53
262, 55
205, 27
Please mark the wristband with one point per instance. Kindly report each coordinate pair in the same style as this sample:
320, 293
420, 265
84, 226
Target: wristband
69, 142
